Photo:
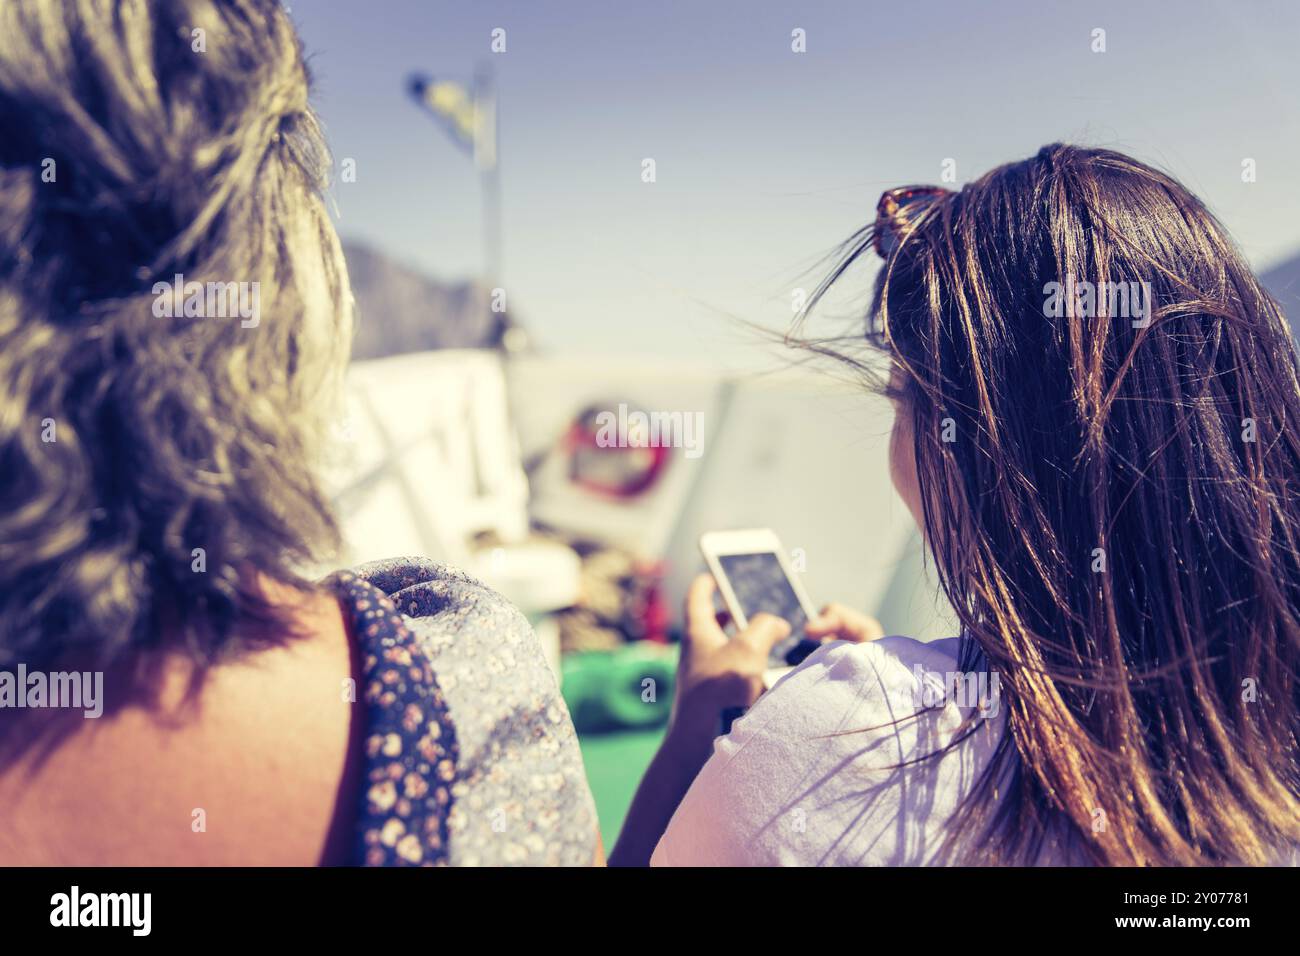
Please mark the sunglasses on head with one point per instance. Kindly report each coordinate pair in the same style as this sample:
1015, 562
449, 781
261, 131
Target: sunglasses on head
892, 217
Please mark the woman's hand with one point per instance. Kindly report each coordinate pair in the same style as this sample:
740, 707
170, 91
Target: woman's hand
715, 671
839, 623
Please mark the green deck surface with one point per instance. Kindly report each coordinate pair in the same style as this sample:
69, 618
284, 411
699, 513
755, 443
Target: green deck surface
615, 761
619, 724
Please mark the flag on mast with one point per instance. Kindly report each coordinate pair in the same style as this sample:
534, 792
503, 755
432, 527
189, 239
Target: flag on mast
468, 113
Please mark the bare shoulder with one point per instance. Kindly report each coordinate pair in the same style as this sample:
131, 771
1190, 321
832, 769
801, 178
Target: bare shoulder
247, 769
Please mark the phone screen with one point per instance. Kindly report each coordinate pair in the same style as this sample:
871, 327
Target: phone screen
761, 586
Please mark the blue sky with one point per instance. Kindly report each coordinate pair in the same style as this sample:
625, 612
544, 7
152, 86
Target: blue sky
766, 158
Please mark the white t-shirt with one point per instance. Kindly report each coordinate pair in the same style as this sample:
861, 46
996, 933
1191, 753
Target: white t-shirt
814, 773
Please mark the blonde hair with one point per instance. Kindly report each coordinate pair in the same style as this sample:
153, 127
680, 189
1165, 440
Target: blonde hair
156, 463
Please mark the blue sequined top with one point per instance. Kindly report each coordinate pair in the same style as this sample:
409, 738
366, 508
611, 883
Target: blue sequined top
470, 755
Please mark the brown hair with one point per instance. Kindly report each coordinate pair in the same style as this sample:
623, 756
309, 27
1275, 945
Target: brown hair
1116, 518
140, 140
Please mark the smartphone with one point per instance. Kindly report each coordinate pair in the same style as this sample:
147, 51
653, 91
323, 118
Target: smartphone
755, 576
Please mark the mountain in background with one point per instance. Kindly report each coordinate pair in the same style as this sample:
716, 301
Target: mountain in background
401, 310
1283, 282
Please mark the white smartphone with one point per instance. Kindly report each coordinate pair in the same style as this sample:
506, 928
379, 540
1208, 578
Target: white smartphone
754, 576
